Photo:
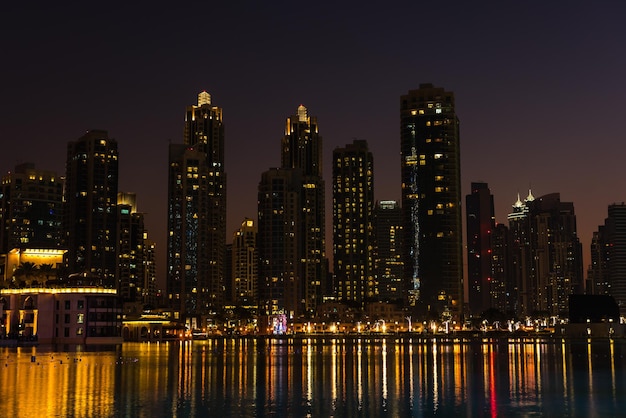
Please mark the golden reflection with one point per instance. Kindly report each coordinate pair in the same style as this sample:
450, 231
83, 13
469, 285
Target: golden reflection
435, 378
384, 370
359, 375
315, 377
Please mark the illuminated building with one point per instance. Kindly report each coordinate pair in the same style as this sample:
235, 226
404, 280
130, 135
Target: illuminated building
607, 273
546, 254
353, 206
388, 265
279, 202
245, 262
431, 200
197, 213
480, 224
31, 209
131, 235
90, 210
69, 315
302, 150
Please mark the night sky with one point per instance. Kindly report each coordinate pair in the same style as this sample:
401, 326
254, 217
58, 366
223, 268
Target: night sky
539, 90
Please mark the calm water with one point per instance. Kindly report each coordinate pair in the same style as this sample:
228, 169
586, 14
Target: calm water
321, 377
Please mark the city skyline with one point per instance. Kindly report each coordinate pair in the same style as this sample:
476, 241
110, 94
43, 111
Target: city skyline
530, 101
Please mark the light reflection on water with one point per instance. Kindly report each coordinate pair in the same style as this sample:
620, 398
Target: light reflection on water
319, 377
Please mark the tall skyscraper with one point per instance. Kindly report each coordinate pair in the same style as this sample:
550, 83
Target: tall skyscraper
90, 216
31, 209
480, 224
546, 254
197, 212
279, 199
245, 262
388, 264
302, 150
608, 254
431, 200
353, 209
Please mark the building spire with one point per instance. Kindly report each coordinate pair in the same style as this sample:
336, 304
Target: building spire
204, 98
530, 197
302, 117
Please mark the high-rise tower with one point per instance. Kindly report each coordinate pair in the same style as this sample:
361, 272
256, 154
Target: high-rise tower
90, 212
197, 212
546, 254
302, 150
353, 209
480, 224
431, 200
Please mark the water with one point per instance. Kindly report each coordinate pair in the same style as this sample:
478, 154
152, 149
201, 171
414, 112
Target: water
320, 377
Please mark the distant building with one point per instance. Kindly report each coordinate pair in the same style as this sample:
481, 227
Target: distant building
546, 254
90, 216
68, 315
197, 213
245, 263
503, 287
388, 261
353, 210
431, 200
131, 250
608, 254
480, 224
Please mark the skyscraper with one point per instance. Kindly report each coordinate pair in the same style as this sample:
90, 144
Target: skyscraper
388, 238
480, 223
197, 212
608, 253
431, 200
353, 209
90, 213
279, 211
302, 150
547, 254
31, 209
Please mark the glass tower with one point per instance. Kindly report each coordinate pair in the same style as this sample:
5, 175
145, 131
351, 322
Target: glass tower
431, 201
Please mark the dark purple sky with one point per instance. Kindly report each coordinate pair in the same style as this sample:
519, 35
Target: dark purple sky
539, 89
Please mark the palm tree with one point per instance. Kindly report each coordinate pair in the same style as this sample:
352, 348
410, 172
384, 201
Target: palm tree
47, 270
25, 272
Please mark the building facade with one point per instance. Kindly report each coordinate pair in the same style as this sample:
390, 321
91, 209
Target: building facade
245, 263
197, 213
90, 216
431, 201
64, 315
353, 210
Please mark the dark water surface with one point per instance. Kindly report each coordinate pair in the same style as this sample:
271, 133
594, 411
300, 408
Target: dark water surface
319, 377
